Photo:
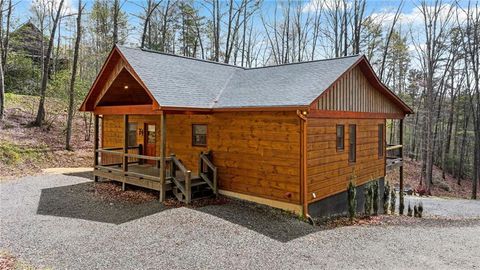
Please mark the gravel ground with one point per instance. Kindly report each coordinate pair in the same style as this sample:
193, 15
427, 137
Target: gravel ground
449, 208
55, 221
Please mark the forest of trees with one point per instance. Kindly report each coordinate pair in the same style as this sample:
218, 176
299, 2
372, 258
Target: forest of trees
429, 57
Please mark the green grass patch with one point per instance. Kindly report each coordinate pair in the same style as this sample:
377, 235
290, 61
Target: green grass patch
13, 99
12, 154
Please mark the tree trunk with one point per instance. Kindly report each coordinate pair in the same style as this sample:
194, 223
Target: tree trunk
71, 93
116, 14
7, 37
476, 165
449, 122
46, 69
2, 92
462, 148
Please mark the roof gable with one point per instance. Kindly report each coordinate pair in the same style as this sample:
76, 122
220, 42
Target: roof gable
353, 92
177, 81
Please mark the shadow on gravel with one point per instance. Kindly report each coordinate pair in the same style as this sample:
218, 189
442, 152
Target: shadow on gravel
79, 201
270, 222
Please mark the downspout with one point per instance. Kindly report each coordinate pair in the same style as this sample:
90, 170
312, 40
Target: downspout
303, 163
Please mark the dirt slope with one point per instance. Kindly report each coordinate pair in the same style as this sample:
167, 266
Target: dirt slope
26, 150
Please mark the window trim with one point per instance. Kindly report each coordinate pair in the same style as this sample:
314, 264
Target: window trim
340, 149
350, 158
381, 141
193, 135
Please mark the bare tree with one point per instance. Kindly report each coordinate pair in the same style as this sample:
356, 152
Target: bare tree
149, 10
71, 92
46, 68
3, 56
358, 13
471, 41
389, 38
435, 25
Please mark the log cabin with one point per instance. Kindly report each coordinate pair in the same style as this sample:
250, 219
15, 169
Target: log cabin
289, 136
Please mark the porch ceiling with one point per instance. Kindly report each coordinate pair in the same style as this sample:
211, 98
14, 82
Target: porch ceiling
117, 94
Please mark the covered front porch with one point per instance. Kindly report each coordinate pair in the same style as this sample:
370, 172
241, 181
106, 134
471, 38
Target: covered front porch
142, 159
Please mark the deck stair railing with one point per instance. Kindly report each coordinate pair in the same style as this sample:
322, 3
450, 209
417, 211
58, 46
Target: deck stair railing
181, 178
207, 171
184, 181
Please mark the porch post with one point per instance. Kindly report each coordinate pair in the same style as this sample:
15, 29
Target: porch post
125, 148
163, 142
95, 146
401, 205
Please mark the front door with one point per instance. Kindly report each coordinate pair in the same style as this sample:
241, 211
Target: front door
150, 139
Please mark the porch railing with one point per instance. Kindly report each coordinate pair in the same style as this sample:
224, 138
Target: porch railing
110, 154
123, 168
175, 171
394, 156
394, 151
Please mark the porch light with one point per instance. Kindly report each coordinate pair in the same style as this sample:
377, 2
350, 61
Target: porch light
304, 112
125, 87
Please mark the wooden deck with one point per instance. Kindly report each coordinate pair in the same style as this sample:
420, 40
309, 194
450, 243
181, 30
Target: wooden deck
393, 163
394, 157
174, 176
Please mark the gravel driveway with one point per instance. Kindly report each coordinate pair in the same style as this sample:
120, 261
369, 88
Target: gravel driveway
49, 221
448, 208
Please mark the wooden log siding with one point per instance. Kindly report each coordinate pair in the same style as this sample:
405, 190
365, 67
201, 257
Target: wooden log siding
328, 170
256, 153
352, 92
112, 134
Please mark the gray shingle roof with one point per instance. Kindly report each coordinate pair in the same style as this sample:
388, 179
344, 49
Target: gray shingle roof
177, 81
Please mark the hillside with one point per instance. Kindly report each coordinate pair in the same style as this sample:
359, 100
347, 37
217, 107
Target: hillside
447, 187
26, 150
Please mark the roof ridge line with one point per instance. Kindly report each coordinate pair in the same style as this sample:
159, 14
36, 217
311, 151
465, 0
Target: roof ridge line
306, 62
234, 66
217, 98
181, 56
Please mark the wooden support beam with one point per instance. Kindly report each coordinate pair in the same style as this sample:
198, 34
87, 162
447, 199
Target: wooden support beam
402, 205
163, 144
126, 109
95, 145
350, 114
303, 163
125, 147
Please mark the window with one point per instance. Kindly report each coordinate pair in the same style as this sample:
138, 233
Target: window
380, 140
340, 137
199, 135
352, 145
132, 134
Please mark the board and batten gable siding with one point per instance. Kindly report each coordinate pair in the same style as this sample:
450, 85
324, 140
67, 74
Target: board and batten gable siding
353, 92
256, 153
328, 170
